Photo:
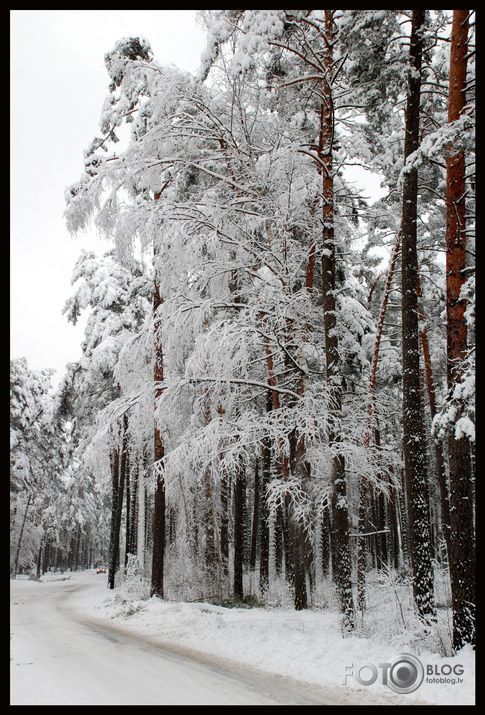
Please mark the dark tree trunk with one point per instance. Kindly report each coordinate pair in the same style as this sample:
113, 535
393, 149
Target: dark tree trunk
148, 522
462, 543
255, 524
78, 546
402, 511
128, 512
134, 511
324, 540
297, 538
115, 477
415, 472
380, 520
239, 498
246, 527
361, 546
118, 468
341, 563
45, 561
224, 524
158, 532
39, 561
21, 534
397, 541
278, 541
264, 511
119, 472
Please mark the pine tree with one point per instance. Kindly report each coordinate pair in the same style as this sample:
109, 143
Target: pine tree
462, 548
415, 476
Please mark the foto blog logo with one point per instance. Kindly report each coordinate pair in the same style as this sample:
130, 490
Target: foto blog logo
404, 673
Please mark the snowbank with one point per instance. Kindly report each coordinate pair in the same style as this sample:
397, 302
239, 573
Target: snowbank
306, 645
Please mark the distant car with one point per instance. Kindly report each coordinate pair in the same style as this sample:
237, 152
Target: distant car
101, 569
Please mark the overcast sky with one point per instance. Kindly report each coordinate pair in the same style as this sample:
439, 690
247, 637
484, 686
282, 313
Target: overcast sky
58, 85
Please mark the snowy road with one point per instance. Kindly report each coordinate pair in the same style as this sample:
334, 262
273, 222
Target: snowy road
59, 657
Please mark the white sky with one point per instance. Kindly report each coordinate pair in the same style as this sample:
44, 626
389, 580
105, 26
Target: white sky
58, 85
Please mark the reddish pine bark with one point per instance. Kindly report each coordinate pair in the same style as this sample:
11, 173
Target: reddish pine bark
462, 549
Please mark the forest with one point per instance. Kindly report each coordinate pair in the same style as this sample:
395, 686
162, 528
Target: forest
274, 404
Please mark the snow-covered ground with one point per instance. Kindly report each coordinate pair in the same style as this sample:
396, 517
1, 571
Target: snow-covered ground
75, 642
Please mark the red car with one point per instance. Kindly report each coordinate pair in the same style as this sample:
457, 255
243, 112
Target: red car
101, 569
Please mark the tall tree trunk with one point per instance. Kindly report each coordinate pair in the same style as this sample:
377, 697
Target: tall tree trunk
128, 512
140, 551
416, 477
39, 561
264, 513
255, 523
403, 511
341, 563
158, 529
297, 538
158, 554
380, 521
324, 540
239, 497
123, 473
115, 477
133, 509
462, 543
21, 534
45, 560
361, 545
119, 472
78, 544
224, 525
393, 526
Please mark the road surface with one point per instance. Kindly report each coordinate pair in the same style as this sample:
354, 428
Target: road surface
60, 657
